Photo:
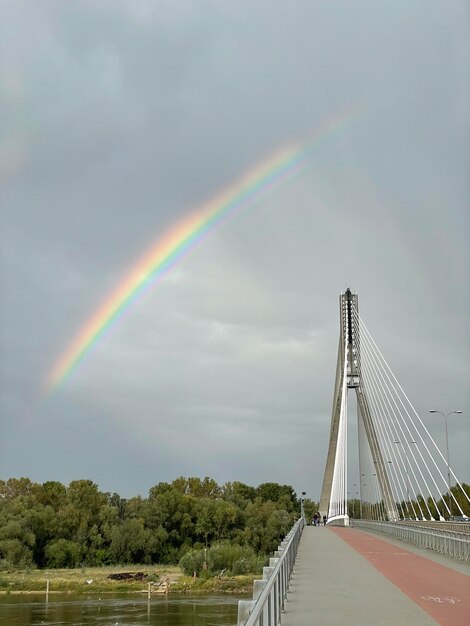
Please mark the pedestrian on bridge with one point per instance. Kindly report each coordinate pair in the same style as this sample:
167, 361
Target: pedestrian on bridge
324, 520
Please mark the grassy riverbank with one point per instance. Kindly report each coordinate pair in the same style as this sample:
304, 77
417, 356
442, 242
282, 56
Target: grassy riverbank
109, 580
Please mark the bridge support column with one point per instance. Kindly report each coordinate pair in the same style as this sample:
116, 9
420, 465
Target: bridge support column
349, 376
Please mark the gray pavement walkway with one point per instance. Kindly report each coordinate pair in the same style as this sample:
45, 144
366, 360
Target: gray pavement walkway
332, 585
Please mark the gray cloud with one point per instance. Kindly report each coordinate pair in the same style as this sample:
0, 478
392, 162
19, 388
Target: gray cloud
120, 119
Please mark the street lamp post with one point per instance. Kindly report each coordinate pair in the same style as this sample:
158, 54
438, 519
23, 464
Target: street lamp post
445, 416
398, 504
374, 490
356, 493
407, 473
304, 493
360, 489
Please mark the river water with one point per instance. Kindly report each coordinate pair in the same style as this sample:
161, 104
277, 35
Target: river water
118, 610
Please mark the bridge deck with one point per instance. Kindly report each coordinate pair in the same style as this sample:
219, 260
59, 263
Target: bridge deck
346, 576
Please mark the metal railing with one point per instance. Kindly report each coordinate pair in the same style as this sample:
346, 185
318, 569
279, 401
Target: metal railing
458, 527
270, 592
452, 544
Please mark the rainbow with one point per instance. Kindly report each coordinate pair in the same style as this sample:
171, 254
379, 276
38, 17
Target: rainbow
183, 237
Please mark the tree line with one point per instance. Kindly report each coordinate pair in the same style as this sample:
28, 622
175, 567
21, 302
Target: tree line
52, 525
431, 509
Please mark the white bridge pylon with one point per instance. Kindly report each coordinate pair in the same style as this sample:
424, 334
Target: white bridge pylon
401, 469
334, 500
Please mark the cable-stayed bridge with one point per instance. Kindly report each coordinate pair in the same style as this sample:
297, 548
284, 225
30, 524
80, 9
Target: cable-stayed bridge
402, 471
407, 492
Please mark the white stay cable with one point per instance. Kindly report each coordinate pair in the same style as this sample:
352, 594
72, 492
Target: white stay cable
420, 421
378, 381
397, 413
410, 434
378, 354
378, 405
399, 482
384, 438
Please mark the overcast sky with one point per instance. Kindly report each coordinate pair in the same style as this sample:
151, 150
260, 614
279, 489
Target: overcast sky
121, 118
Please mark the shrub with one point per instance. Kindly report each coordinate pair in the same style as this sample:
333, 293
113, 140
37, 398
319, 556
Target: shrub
192, 561
248, 565
232, 558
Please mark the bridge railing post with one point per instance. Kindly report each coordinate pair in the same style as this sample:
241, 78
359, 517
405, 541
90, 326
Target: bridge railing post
448, 542
269, 594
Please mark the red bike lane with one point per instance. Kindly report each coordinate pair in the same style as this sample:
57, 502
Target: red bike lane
440, 591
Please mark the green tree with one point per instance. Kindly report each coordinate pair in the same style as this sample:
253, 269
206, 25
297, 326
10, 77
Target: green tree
462, 501
206, 488
239, 493
86, 497
131, 542
310, 508
52, 493
284, 494
14, 552
265, 526
42, 521
16, 538
50, 525
16, 487
63, 553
